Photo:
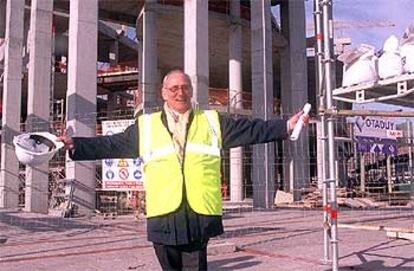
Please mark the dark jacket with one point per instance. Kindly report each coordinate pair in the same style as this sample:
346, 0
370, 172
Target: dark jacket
184, 225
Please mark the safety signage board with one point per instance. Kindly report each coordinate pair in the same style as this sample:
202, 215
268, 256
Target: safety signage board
120, 174
376, 135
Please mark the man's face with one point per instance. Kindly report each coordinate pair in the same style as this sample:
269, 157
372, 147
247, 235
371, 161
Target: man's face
177, 92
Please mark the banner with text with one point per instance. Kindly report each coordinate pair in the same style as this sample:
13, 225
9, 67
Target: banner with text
376, 135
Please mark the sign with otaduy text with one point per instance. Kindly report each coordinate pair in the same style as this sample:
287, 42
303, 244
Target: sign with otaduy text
376, 135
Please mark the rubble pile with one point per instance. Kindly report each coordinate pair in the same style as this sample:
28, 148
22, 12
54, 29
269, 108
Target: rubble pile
312, 198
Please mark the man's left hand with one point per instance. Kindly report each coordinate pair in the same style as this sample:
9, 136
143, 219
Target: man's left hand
293, 120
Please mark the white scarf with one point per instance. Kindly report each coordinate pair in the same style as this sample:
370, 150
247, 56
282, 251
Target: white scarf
177, 125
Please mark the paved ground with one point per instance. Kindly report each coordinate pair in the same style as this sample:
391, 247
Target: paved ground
281, 239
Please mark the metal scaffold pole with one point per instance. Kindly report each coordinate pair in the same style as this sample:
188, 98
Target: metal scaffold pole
333, 208
322, 134
410, 150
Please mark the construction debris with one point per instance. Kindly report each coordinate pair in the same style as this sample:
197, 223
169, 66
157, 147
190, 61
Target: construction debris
391, 232
376, 228
312, 198
362, 203
400, 235
283, 198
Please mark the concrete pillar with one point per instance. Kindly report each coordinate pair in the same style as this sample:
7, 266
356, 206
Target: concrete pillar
235, 96
2, 34
362, 172
389, 175
262, 91
138, 95
2, 18
81, 95
149, 76
294, 93
38, 97
112, 104
410, 149
196, 49
12, 92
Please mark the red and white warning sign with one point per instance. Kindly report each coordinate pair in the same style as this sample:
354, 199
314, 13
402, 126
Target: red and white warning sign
123, 174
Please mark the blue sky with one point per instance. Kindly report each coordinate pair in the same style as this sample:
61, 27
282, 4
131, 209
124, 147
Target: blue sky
398, 12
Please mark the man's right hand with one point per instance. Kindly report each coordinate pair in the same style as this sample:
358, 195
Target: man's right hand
66, 140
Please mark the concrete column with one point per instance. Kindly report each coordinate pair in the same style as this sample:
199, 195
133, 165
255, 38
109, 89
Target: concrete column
138, 95
362, 172
2, 18
294, 93
410, 148
149, 76
235, 96
81, 95
38, 97
389, 175
2, 34
113, 60
196, 49
262, 91
9, 167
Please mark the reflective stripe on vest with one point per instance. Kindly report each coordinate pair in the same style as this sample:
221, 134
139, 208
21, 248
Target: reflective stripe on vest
164, 178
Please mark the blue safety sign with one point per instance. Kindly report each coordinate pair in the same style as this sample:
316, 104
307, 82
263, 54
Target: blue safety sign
137, 162
110, 174
137, 174
109, 162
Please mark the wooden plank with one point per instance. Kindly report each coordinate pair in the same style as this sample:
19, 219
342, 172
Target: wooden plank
375, 228
353, 203
400, 235
283, 197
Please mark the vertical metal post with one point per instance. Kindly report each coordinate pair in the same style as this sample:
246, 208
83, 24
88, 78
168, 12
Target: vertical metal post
362, 173
322, 152
410, 148
327, 37
410, 156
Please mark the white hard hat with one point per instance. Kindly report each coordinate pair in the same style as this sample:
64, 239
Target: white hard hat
36, 148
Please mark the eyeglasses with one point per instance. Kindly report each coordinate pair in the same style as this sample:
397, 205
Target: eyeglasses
175, 89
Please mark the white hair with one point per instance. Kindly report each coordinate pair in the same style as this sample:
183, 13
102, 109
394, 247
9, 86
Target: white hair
177, 71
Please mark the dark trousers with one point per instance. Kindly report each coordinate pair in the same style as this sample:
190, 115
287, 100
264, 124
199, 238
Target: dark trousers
183, 257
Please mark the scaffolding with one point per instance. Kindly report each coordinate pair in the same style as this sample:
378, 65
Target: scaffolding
396, 90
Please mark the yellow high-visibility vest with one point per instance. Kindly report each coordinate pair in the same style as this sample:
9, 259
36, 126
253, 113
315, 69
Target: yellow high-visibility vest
165, 179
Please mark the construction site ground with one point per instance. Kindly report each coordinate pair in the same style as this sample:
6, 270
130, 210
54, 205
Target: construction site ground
279, 239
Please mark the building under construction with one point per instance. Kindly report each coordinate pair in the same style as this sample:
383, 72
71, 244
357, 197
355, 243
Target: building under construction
73, 65
132, 51
89, 61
